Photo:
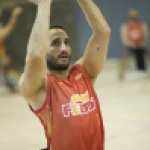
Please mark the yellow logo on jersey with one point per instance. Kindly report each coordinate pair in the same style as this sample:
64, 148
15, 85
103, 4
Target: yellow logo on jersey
79, 104
79, 76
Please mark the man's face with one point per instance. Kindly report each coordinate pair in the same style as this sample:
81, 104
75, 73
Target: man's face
59, 53
133, 15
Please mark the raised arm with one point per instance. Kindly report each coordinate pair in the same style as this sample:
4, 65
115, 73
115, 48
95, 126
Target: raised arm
5, 32
95, 54
34, 77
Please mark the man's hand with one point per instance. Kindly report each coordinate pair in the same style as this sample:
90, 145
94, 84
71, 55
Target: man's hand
17, 11
35, 1
38, 1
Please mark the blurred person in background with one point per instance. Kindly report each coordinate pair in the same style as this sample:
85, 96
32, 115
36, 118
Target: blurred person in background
134, 36
5, 59
60, 95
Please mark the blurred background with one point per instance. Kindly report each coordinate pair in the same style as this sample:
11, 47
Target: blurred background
125, 103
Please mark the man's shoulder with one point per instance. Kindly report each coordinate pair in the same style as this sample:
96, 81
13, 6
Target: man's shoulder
78, 69
77, 66
124, 25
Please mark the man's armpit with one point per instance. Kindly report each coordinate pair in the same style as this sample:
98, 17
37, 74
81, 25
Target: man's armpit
92, 78
42, 88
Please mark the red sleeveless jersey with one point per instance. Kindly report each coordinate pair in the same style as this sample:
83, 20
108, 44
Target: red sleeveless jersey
135, 32
71, 113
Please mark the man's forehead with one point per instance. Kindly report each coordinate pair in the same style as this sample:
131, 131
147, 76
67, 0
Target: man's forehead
58, 33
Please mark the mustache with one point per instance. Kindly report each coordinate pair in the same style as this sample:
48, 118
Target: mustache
63, 54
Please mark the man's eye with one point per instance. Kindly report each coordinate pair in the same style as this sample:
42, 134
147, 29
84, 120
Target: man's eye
56, 43
67, 42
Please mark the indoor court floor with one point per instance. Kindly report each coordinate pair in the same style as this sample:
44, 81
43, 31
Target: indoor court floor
125, 107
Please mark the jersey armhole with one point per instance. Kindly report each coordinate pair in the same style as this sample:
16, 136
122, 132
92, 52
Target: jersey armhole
46, 101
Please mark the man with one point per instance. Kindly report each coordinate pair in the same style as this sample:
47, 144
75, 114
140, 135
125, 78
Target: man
63, 98
5, 60
134, 34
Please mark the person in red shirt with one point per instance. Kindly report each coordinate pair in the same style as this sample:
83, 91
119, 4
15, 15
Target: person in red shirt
60, 95
134, 35
5, 61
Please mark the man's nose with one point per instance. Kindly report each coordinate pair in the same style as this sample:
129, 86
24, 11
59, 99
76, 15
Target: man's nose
63, 47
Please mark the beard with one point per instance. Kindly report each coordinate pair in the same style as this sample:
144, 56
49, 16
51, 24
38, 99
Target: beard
53, 64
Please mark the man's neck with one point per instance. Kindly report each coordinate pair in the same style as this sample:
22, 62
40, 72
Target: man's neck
134, 21
59, 74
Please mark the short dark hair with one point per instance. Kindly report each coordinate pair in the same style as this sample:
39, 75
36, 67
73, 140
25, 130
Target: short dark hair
57, 27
